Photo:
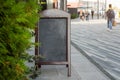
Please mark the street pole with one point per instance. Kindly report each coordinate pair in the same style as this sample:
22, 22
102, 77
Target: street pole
105, 8
98, 9
105, 5
61, 4
65, 5
87, 5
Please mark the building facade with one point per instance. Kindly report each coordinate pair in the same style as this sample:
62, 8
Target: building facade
51, 4
96, 5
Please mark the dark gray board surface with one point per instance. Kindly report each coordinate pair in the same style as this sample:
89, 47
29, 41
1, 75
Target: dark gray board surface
53, 39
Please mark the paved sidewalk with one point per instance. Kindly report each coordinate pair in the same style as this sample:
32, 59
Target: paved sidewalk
82, 69
118, 20
99, 44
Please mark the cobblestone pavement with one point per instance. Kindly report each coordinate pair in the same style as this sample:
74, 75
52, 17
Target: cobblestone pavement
99, 44
81, 67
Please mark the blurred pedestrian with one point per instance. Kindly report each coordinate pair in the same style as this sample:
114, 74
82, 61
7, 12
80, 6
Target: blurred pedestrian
82, 15
110, 17
92, 13
87, 15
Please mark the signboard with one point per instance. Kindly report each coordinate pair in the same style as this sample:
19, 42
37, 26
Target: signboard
53, 34
53, 39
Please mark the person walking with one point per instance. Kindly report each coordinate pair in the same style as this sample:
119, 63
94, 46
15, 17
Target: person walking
87, 15
92, 13
110, 17
82, 15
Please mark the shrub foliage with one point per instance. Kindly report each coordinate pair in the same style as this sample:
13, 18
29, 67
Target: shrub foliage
17, 18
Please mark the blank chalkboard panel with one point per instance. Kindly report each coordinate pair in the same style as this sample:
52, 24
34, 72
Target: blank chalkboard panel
53, 38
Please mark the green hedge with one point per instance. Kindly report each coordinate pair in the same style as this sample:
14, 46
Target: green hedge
17, 17
73, 16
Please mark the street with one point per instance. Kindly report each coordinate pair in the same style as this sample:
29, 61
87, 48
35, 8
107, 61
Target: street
99, 44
